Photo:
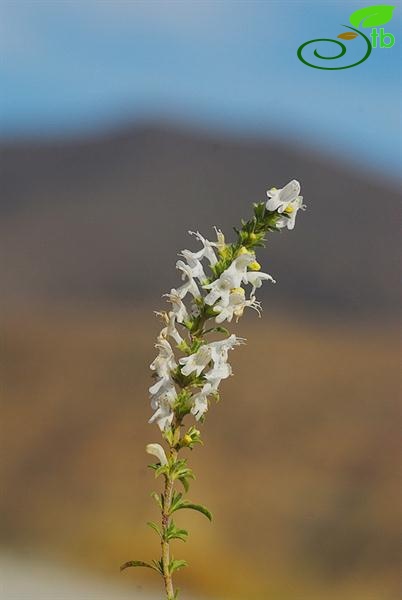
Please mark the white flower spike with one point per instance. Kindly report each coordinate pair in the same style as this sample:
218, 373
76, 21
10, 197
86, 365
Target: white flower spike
190, 366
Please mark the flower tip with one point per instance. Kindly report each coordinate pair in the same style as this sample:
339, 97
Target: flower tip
158, 451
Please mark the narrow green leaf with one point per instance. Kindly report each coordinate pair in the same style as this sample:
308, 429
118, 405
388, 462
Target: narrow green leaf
158, 499
158, 564
177, 564
185, 483
198, 507
176, 501
137, 563
160, 470
154, 526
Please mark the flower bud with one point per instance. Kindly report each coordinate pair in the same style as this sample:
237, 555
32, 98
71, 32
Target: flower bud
158, 451
243, 250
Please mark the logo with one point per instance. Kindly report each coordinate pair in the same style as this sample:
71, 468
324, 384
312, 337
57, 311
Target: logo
370, 17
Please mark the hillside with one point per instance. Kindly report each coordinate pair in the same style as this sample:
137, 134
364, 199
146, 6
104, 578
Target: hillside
101, 220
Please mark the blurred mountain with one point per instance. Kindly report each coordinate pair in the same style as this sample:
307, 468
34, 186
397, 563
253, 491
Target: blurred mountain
101, 219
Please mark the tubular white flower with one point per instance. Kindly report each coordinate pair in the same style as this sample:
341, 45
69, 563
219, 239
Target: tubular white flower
235, 308
279, 199
178, 307
190, 285
219, 350
230, 278
207, 251
196, 363
215, 375
291, 211
158, 451
195, 265
165, 361
287, 201
163, 398
163, 416
200, 401
170, 329
255, 278
161, 386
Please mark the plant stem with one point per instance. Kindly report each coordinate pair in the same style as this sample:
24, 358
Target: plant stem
168, 492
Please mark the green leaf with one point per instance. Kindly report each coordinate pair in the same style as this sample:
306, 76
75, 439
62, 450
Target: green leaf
176, 436
218, 330
158, 564
176, 500
168, 435
161, 470
154, 526
174, 565
172, 533
137, 563
158, 499
187, 504
185, 483
372, 16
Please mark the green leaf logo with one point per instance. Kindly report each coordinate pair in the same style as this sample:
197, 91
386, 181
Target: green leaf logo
372, 16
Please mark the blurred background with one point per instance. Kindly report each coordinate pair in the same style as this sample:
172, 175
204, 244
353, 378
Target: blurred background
123, 125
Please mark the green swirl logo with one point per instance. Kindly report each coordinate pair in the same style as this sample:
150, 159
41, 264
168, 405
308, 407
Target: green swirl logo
371, 16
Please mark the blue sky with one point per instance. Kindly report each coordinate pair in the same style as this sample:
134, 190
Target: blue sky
71, 66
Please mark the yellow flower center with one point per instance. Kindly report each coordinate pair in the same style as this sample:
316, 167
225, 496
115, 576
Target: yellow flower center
289, 209
254, 266
238, 290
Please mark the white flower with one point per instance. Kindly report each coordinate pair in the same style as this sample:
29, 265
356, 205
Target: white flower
219, 350
196, 363
169, 319
190, 285
170, 329
255, 278
161, 386
164, 397
215, 375
195, 265
291, 210
178, 308
165, 361
200, 402
279, 199
163, 416
236, 306
231, 278
288, 201
207, 251
158, 451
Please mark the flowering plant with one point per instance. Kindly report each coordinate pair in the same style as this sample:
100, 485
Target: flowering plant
188, 368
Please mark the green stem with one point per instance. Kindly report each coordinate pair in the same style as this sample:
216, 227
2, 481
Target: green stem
168, 493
